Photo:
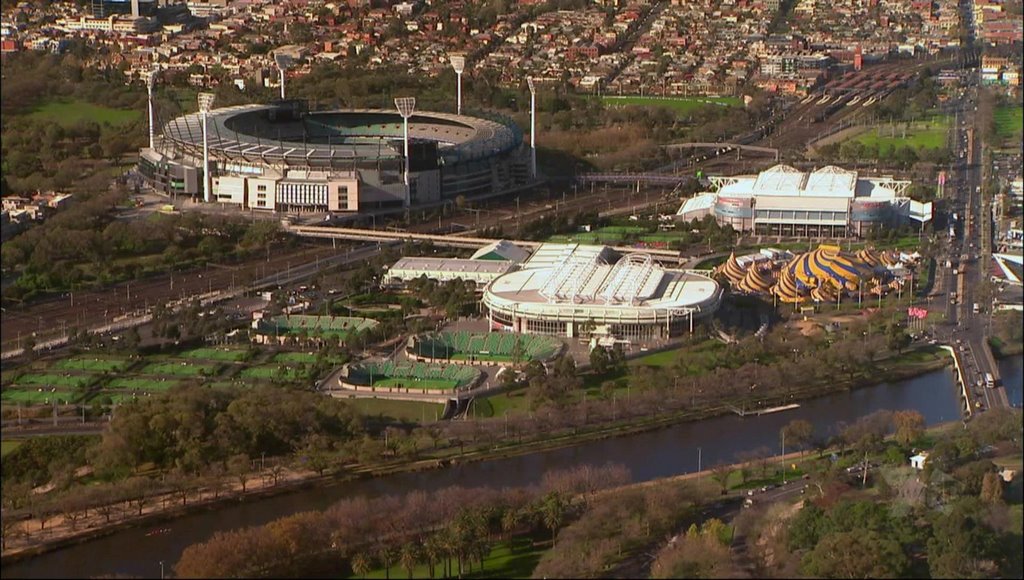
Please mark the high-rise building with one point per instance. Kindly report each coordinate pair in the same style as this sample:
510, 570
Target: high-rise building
135, 8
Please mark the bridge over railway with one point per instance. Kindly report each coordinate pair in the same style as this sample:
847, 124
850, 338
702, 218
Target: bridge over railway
632, 178
456, 240
725, 147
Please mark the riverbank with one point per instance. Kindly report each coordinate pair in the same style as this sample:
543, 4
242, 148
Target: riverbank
167, 506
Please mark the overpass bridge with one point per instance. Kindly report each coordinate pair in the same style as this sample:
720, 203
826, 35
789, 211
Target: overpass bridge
722, 148
450, 240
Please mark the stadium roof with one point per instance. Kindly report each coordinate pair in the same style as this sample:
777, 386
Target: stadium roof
829, 181
702, 202
568, 277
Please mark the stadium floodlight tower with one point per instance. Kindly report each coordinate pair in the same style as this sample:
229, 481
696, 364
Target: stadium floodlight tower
533, 127
205, 104
406, 106
150, 83
284, 62
459, 64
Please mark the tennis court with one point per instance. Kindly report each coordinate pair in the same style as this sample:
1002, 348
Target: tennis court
148, 385
491, 346
218, 354
410, 375
339, 327
37, 397
180, 369
53, 380
94, 364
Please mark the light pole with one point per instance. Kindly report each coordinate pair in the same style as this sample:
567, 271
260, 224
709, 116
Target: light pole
533, 127
459, 64
161, 569
284, 62
406, 106
150, 84
205, 103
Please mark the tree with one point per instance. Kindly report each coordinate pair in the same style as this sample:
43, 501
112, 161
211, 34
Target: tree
909, 426
858, 553
241, 468
553, 512
798, 433
409, 557
720, 472
992, 488
599, 360
361, 564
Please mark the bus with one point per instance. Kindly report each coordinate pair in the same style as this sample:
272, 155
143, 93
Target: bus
989, 381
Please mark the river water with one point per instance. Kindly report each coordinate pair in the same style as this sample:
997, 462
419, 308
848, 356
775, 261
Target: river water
656, 454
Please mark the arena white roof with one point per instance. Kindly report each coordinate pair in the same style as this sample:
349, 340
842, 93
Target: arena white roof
829, 181
574, 281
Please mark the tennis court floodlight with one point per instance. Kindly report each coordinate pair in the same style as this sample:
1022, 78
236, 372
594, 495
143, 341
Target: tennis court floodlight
284, 62
150, 85
533, 127
459, 64
406, 106
205, 103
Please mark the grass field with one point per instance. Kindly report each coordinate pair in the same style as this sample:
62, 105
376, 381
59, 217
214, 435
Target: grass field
268, 372
221, 354
682, 106
514, 559
1009, 121
179, 369
148, 385
412, 411
81, 363
930, 134
304, 358
36, 397
70, 113
7, 447
414, 383
52, 380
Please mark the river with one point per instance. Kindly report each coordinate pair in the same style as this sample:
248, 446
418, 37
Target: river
650, 455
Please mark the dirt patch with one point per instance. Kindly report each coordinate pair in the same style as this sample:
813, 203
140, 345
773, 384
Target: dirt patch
807, 327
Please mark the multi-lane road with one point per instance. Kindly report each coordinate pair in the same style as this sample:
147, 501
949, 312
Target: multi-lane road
967, 253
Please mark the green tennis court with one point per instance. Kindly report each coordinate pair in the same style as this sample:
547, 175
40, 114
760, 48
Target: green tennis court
38, 397
416, 383
81, 363
52, 380
149, 385
181, 369
219, 354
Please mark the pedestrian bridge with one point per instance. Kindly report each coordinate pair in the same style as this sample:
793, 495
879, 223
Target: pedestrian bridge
725, 148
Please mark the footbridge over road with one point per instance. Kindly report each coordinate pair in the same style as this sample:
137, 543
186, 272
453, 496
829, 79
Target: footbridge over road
722, 148
450, 240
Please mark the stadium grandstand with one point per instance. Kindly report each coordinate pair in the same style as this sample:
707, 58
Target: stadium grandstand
282, 157
317, 329
483, 267
487, 348
405, 377
828, 202
584, 290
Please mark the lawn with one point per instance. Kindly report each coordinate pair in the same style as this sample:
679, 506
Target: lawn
930, 134
7, 447
220, 354
1009, 121
270, 372
148, 385
682, 106
416, 383
37, 397
515, 559
51, 380
180, 369
411, 411
70, 113
305, 358
81, 363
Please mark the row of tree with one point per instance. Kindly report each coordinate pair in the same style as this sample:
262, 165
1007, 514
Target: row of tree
447, 530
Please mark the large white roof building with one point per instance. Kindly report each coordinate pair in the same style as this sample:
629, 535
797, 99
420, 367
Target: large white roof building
781, 200
576, 290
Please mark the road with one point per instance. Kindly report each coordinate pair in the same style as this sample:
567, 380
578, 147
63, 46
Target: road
968, 251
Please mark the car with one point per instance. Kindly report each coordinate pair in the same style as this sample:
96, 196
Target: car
750, 492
